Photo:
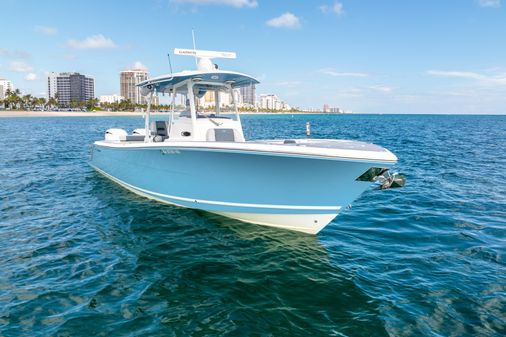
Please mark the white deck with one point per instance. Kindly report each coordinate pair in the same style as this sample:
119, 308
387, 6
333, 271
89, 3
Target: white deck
340, 144
324, 149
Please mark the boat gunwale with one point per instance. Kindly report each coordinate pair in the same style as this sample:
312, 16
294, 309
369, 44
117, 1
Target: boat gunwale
277, 150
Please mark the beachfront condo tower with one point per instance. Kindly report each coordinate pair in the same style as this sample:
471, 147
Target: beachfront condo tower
4, 86
68, 87
128, 85
248, 94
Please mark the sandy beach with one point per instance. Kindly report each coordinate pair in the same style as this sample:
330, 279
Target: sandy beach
67, 113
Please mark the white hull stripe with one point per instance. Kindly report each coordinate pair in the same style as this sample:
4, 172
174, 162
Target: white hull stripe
221, 203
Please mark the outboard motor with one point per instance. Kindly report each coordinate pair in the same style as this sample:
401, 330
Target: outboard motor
139, 132
115, 135
383, 177
390, 180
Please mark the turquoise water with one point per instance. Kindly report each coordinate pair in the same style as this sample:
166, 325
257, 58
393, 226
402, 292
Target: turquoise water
81, 256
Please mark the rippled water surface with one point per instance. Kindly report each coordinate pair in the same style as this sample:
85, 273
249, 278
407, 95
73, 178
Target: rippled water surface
81, 256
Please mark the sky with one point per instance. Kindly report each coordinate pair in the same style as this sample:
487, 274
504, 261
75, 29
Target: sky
369, 56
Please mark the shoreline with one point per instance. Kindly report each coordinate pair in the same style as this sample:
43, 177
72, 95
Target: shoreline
10, 114
30, 114
13, 114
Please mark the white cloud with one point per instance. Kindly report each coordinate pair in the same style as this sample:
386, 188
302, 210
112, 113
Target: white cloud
20, 67
381, 88
232, 3
289, 83
92, 42
261, 77
14, 53
336, 8
286, 20
138, 65
286, 84
332, 72
349, 93
31, 77
498, 79
45, 30
489, 3
461, 74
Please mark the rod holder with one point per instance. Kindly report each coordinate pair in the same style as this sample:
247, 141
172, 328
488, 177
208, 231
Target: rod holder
308, 129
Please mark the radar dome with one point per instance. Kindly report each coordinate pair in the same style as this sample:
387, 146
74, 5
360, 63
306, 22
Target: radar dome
205, 64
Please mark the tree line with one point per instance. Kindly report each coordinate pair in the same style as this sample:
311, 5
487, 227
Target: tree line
15, 100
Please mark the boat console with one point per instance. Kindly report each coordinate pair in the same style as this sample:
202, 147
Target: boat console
205, 128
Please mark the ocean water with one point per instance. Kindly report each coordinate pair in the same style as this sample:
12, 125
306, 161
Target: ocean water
81, 256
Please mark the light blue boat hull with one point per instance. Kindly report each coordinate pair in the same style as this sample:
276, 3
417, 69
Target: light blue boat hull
254, 187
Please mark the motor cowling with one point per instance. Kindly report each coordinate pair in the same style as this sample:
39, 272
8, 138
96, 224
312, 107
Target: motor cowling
139, 132
115, 135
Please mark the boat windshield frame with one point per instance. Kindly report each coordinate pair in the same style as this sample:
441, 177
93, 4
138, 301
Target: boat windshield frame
187, 87
184, 82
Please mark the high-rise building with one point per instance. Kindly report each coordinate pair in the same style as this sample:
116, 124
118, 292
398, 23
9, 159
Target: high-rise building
52, 85
4, 86
70, 87
336, 110
248, 95
209, 100
272, 102
128, 85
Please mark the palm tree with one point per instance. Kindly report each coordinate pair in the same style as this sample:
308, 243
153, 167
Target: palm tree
7, 99
13, 99
26, 101
42, 102
91, 103
74, 104
52, 102
57, 98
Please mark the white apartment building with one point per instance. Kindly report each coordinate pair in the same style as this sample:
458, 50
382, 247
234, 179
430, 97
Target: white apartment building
267, 101
111, 98
272, 102
4, 86
52, 85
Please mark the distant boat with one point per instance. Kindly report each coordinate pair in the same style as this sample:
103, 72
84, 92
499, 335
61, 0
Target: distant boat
202, 160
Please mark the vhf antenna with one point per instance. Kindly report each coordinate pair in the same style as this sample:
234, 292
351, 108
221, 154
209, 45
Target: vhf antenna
170, 63
194, 47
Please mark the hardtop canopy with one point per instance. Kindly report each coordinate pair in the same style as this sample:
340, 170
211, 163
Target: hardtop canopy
165, 83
